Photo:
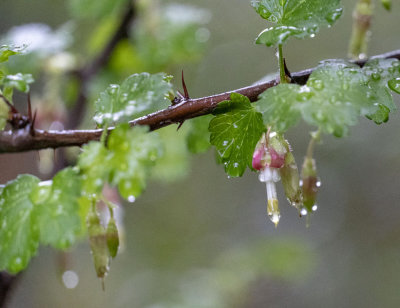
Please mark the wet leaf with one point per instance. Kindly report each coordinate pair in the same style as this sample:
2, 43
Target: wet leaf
379, 74
133, 152
335, 95
56, 211
235, 131
138, 95
19, 236
297, 18
277, 107
94, 168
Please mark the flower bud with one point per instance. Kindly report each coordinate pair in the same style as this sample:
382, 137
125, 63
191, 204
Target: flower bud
98, 244
291, 179
309, 183
112, 237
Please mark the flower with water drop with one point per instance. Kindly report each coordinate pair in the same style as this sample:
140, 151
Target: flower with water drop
268, 158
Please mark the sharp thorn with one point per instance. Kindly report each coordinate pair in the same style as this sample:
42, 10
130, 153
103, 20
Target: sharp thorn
32, 128
185, 90
180, 125
287, 72
29, 107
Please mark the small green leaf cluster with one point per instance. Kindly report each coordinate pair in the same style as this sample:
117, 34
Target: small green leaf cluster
9, 82
335, 95
124, 162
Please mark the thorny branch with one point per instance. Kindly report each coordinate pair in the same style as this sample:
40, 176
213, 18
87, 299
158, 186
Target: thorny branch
21, 140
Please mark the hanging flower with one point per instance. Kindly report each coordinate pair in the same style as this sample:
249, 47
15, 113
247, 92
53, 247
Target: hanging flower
268, 158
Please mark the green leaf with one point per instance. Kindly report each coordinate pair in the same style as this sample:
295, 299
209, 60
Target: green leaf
133, 151
236, 133
138, 95
198, 138
94, 168
335, 96
56, 210
378, 73
7, 51
297, 18
18, 81
277, 108
19, 236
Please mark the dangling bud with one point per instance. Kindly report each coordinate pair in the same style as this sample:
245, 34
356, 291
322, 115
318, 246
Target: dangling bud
112, 237
268, 158
291, 179
309, 184
98, 244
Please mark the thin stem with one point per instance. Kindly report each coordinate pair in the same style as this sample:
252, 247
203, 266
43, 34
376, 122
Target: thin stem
315, 137
362, 16
281, 64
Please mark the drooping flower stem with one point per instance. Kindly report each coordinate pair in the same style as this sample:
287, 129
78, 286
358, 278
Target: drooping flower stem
315, 137
281, 64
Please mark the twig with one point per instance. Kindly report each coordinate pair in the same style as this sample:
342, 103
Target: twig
20, 140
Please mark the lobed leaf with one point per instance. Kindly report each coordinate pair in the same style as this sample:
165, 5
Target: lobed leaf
335, 95
297, 18
235, 131
138, 95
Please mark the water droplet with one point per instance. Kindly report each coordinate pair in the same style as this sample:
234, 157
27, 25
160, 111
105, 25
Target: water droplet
331, 18
318, 183
70, 279
273, 211
303, 212
314, 208
376, 76
394, 85
131, 198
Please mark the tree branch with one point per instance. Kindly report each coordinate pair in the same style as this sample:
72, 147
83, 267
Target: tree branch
22, 140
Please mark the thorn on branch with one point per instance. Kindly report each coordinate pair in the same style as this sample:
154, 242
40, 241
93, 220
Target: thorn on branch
185, 90
287, 72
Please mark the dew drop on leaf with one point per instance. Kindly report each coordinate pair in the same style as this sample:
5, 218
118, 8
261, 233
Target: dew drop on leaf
394, 85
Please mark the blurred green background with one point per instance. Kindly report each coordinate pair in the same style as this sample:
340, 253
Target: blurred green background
205, 240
